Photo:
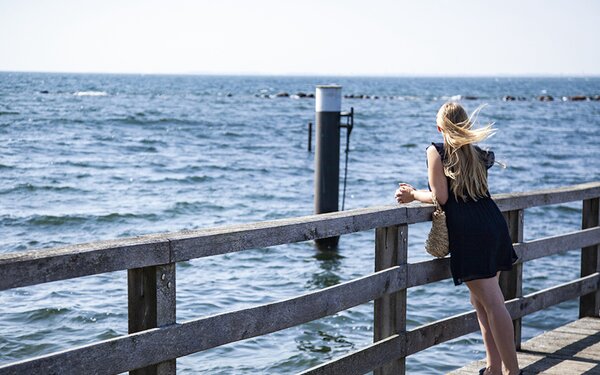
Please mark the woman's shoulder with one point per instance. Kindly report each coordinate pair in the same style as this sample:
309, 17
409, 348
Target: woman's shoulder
487, 155
439, 147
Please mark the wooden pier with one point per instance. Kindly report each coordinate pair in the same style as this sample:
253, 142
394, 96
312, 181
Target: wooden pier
156, 338
571, 349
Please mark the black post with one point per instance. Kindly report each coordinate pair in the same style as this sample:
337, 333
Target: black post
309, 136
328, 105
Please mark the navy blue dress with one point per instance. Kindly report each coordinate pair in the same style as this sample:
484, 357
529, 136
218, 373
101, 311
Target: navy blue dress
480, 244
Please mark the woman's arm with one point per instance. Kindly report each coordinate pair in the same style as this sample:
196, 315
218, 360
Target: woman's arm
437, 182
437, 178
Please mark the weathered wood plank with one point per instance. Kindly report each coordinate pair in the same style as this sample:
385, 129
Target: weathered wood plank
202, 243
440, 331
519, 201
533, 364
511, 282
391, 249
45, 265
551, 296
584, 326
195, 244
553, 245
151, 304
564, 350
590, 257
161, 344
22, 269
364, 360
566, 345
428, 271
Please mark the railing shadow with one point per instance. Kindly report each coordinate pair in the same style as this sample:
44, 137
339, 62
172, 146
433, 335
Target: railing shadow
566, 353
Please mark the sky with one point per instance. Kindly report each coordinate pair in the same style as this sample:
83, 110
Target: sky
308, 37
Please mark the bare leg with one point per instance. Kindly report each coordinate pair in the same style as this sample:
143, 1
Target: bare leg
493, 360
487, 292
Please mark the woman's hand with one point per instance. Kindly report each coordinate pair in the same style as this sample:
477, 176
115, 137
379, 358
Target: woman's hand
404, 194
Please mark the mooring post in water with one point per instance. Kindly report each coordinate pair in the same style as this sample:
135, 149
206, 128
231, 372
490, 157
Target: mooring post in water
328, 106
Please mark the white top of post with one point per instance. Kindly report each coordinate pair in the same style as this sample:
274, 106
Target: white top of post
328, 98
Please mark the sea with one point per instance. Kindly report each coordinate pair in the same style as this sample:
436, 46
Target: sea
87, 157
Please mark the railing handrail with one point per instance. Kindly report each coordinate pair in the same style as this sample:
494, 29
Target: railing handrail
45, 265
152, 260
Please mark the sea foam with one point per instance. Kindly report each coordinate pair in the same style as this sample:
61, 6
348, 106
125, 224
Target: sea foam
90, 93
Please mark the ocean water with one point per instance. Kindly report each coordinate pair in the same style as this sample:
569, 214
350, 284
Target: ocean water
90, 157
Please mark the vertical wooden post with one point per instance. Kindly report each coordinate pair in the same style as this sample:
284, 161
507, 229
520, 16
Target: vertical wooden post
589, 305
328, 107
391, 245
511, 282
151, 300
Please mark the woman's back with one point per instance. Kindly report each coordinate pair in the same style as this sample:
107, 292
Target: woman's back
479, 242
485, 157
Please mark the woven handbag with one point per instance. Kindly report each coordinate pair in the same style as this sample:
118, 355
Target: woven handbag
437, 241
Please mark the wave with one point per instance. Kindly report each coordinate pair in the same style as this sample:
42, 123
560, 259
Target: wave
52, 220
107, 334
153, 142
46, 313
142, 120
31, 188
569, 209
138, 148
3, 113
67, 220
84, 164
193, 207
116, 217
90, 93
184, 180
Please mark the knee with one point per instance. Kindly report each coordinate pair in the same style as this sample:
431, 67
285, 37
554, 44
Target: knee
474, 302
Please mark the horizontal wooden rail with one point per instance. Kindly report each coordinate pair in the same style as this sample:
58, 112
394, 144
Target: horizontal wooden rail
45, 265
40, 266
413, 341
434, 270
428, 271
556, 244
519, 201
364, 360
132, 351
160, 344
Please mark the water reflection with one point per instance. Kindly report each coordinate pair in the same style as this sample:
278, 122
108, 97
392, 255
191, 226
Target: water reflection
329, 265
325, 342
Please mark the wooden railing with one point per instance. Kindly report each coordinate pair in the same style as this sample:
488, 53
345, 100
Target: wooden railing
156, 339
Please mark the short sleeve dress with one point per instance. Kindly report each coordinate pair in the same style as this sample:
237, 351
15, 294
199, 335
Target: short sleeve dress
480, 244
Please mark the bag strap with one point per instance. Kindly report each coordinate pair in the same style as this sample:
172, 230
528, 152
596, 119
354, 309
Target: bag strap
438, 207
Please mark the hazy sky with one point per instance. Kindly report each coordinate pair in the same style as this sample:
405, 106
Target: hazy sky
419, 37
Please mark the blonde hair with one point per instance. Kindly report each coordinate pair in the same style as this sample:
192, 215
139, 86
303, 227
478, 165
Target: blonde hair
463, 163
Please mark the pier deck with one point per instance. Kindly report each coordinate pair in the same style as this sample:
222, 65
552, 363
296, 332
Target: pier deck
570, 349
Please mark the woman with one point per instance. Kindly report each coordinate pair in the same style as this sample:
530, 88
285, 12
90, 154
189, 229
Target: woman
480, 245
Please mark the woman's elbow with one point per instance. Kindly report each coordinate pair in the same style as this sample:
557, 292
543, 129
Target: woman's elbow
442, 197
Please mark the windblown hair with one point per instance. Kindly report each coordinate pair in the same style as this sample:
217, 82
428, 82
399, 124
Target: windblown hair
463, 163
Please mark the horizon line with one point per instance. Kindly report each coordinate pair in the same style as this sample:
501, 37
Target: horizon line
292, 74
